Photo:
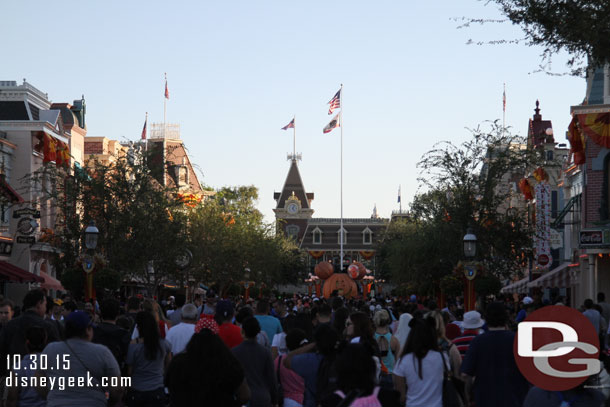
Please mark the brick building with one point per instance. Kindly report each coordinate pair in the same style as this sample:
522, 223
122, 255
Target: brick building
319, 237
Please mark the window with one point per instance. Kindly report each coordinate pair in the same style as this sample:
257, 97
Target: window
549, 155
344, 234
317, 236
367, 236
292, 231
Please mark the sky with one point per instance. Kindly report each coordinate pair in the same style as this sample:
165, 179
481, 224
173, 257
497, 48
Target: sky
238, 71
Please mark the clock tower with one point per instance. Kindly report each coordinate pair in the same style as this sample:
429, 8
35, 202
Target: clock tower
293, 204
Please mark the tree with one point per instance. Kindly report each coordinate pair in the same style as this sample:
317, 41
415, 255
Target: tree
582, 28
142, 225
467, 186
228, 235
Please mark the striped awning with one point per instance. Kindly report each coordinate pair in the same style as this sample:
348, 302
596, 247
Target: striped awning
519, 287
558, 277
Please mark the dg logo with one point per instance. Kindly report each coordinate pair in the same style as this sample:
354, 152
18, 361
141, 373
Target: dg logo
556, 348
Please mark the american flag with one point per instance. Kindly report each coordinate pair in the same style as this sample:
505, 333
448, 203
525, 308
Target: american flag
335, 102
504, 101
144, 130
289, 125
166, 90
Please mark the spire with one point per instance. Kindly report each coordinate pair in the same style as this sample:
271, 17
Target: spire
293, 186
374, 215
537, 115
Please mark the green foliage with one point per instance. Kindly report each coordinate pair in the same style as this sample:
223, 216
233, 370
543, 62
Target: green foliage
581, 28
466, 186
487, 284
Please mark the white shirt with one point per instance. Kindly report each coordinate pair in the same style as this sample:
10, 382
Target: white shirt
279, 341
426, 392
179, 336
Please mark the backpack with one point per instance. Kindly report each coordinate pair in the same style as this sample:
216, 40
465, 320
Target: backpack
384, 346
326, 378
352, 399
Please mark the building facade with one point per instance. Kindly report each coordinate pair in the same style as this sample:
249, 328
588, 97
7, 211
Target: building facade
320, 237
33, 133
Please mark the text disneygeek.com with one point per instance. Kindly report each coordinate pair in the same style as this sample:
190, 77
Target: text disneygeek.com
61, 383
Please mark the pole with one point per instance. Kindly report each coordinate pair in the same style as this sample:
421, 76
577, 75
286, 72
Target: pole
504, 110
341, 123
146, 140
164, 107
294, 137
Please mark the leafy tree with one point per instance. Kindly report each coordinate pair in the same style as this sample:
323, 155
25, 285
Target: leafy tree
582, 28
467, 186
142, 225
228, 235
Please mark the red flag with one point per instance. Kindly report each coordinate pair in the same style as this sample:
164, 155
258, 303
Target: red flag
166, 90
144, 129
49, 149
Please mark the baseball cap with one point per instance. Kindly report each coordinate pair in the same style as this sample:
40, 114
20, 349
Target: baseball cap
528, 300
78, 319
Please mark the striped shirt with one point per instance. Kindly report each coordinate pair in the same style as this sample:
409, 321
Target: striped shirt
463, 341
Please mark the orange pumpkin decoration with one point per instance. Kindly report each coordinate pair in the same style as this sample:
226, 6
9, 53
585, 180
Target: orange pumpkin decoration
342, 283
324, 270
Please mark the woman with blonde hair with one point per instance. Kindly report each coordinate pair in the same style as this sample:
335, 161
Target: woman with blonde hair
388, 346
444, 344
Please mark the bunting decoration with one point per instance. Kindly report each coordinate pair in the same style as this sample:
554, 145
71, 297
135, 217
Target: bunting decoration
316, 254
49, 149
597, 127
367, 254
577, 141
540, 174
526, 189
62, 154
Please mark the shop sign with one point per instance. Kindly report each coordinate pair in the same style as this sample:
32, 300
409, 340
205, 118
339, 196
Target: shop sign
26, 212
594, 237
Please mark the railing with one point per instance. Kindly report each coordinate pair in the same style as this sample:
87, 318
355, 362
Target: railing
167, 131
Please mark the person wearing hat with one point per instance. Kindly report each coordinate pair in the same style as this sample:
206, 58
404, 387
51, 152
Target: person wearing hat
528, 306
471, 326
79, 357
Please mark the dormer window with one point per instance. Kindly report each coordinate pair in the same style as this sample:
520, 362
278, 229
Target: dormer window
344, 234
317, 236
367, 236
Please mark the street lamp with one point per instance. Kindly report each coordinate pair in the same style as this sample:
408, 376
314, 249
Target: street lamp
470, 244
91, 234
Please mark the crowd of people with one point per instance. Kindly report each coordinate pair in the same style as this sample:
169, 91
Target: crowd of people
295, 351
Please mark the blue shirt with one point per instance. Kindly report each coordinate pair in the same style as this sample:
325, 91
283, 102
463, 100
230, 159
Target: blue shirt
306, 365
271, 325
491, 360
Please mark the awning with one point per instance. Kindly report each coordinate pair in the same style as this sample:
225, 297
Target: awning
14, 274
519, 287
558, 277
51, 283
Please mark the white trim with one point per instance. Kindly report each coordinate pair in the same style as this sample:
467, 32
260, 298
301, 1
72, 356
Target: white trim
364, 233
313, 236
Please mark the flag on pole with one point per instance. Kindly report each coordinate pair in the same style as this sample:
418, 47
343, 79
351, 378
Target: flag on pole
289, 125
399, 194
504, 100
166, 89
333, 124
335, 102
144, 130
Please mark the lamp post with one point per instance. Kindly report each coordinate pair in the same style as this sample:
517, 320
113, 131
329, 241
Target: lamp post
91, 237
470, 244
470, 269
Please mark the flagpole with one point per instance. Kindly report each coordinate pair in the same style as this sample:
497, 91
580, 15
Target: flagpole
399, 199
294, 137
164, 107
146, 140
341, 124
504, 110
